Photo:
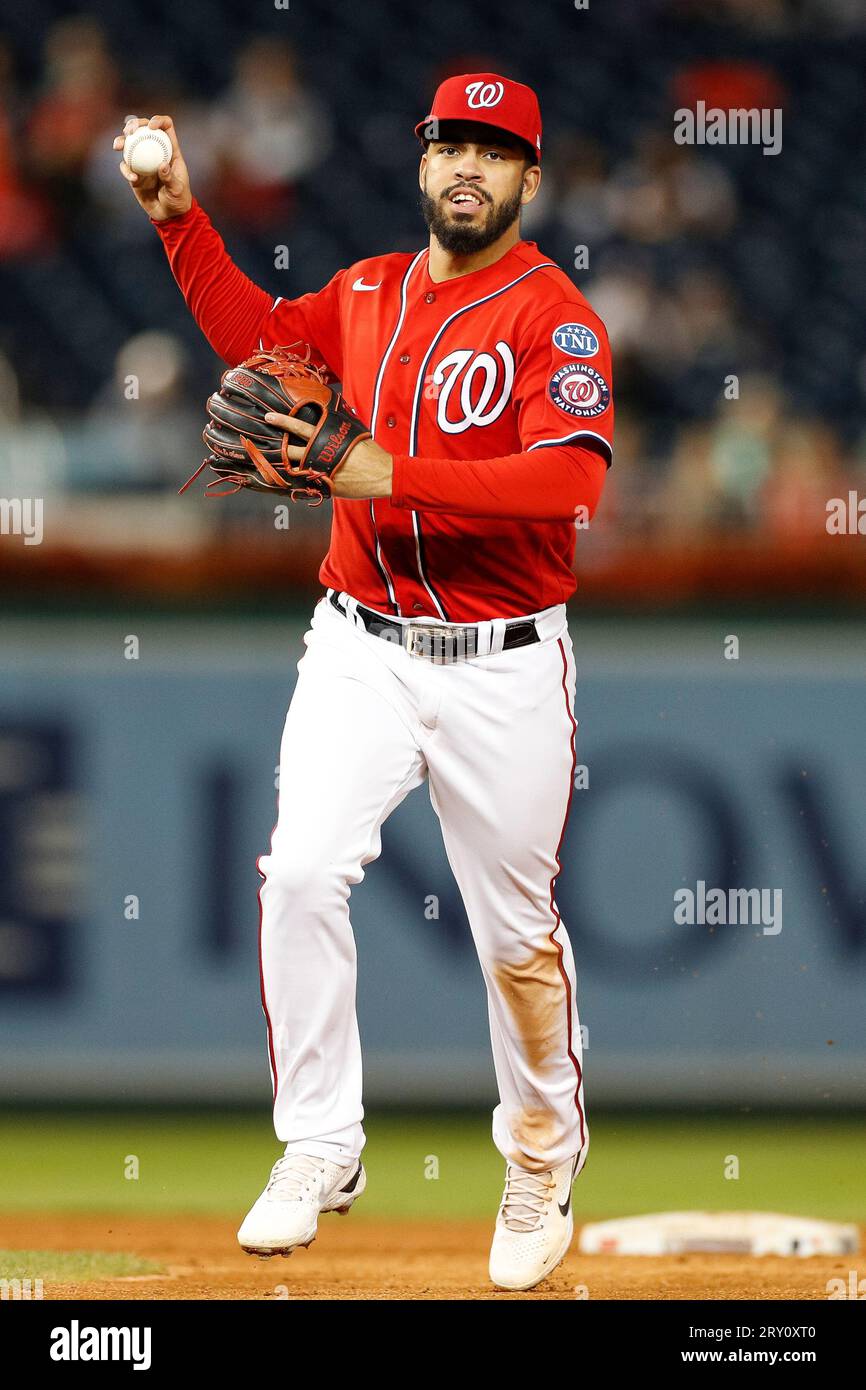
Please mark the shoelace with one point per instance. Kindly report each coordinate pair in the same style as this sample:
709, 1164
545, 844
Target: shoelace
526, 1199
293, 1174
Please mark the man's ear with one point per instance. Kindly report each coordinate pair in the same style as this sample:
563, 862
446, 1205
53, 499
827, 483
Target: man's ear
531, 182
422, 169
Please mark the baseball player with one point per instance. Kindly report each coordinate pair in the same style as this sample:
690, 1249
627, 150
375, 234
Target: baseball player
439, 650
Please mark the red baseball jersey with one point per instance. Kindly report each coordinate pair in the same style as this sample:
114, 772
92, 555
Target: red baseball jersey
491, 390
499, 362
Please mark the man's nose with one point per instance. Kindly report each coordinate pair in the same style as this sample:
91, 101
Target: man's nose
469, 170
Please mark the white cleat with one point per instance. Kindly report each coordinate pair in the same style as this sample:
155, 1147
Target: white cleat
287, 1213
534, 1226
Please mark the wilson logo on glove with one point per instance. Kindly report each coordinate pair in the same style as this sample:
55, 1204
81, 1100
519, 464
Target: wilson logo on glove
246, 450
329, 450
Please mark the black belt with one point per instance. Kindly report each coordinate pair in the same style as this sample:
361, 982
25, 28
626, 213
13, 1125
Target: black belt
436, 642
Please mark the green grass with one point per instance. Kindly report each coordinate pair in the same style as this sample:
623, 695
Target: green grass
65, 1266
217, 1163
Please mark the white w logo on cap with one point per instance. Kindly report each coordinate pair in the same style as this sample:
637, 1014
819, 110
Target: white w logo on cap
484, 93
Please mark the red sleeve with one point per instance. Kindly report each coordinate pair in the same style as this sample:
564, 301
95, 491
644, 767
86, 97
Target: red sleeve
236, 315
563, 383
226, 305
544, 485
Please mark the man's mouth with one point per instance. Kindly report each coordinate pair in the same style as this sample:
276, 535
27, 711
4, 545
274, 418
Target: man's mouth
465, 197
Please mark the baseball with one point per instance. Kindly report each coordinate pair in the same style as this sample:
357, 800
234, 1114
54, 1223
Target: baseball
145, 149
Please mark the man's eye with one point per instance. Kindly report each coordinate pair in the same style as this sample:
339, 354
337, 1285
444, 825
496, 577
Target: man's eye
495, 153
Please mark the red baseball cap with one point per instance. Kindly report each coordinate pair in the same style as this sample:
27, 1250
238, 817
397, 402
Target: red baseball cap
488, 99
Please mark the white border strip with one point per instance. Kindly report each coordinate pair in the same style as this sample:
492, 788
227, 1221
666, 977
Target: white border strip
569, 438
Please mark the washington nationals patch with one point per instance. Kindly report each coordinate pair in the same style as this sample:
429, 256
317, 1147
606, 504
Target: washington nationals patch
580, 391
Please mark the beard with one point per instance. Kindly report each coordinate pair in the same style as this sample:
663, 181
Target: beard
462, 239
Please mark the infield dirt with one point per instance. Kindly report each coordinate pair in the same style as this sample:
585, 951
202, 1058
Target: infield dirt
367, 1259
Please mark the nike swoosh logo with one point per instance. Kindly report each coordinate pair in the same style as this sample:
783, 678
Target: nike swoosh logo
564, 1206
359, 284
353, 1181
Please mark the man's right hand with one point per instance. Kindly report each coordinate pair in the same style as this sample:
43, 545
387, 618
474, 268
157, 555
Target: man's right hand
166, 193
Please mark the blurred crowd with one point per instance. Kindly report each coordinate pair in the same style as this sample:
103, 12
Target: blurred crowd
249, 147
714, 431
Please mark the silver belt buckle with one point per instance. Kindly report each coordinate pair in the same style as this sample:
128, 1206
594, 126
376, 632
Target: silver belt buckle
419, 640
427, 640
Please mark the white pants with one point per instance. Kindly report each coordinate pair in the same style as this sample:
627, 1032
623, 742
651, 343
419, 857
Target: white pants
494, 735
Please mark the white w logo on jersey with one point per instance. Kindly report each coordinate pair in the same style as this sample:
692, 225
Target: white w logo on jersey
467, 363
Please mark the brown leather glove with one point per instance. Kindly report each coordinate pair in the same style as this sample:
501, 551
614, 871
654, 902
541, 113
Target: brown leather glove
247, 451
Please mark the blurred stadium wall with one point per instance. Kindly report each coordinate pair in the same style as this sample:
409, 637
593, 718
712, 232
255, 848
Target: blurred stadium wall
135, 797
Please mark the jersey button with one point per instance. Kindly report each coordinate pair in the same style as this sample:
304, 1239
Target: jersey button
417, 607
391, 422
430, 297
405, 357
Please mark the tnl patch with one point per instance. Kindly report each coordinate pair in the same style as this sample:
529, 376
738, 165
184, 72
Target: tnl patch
575, 339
